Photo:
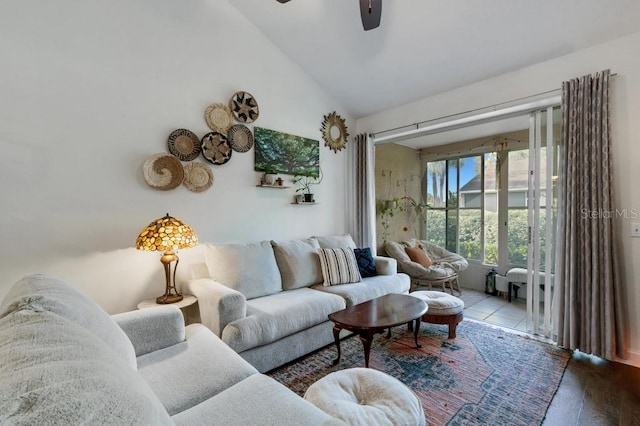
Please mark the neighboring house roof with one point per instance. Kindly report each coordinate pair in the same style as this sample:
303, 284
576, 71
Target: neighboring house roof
518, 177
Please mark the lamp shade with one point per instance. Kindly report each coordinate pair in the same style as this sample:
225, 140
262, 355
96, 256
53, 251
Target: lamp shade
166, 234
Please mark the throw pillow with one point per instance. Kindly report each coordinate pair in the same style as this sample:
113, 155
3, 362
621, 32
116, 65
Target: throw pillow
419, 256
366, 264
339, 266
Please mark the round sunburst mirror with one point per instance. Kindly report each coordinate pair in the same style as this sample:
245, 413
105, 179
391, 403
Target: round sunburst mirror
334, 132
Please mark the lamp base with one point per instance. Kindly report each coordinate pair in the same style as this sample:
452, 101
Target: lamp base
168, 298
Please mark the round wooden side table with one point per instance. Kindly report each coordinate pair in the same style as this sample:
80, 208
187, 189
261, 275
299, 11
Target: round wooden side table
186, 302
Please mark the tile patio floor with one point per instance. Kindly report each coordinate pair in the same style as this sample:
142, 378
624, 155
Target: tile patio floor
494, 309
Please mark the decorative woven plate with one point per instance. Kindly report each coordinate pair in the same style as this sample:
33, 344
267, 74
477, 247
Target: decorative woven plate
219, 117
240, 137
216, 148
163, 171
244, 107
184, 144
198, 177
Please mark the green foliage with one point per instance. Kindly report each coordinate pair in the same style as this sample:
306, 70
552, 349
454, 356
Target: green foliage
284, 153
470, 230
388, 208
304, 183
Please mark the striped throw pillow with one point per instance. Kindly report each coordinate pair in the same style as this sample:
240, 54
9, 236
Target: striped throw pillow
339, 266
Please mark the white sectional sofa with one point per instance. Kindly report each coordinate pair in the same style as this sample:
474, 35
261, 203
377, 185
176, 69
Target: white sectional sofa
64, 361
267, 301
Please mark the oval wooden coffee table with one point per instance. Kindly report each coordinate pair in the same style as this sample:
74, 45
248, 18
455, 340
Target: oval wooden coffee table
372, 317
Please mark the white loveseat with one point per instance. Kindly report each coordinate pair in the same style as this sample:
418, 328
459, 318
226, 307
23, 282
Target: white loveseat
267, 300
64, 361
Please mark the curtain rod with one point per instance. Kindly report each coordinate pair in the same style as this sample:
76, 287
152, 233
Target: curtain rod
467, 121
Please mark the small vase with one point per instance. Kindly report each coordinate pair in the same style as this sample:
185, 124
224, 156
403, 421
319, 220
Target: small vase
308, 198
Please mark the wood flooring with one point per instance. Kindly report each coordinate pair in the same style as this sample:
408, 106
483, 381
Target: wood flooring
596, 392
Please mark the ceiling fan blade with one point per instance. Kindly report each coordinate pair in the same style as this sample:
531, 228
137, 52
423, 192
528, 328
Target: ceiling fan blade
370, 12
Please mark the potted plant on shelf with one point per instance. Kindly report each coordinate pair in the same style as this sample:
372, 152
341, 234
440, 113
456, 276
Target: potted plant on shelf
268, 177
304, 184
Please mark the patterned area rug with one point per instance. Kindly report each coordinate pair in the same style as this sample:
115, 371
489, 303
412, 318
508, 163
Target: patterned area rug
485, 376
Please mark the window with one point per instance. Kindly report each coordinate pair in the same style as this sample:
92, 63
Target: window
467, 219
462, 195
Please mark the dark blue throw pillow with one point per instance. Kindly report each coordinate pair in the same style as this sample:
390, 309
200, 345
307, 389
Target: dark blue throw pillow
365, 262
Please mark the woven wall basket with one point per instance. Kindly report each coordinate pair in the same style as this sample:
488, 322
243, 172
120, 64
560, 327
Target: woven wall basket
218, 117
198, 177
184, 144
240, 138
163, 171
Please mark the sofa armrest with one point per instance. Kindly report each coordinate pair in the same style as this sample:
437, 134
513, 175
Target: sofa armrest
385, 265
152, 329
219, 305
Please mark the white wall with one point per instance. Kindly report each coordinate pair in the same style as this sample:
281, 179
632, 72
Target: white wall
622, 56
89, 90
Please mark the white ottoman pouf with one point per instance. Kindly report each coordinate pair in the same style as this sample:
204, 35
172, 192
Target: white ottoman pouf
443, 309
362, 396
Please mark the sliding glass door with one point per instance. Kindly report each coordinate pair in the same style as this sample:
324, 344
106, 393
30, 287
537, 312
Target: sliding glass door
542, 199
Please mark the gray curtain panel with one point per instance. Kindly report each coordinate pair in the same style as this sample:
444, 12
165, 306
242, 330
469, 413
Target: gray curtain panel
365, 205
588, 288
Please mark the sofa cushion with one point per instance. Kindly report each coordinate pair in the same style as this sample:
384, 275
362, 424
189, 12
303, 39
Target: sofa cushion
339, 266
336, 241
366, 264
54, 371
43, 293
258, 400
298, 262
274, 317
250, 269
369, 288
193, 371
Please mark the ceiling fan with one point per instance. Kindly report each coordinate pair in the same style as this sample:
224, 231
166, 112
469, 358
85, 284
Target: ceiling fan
370, 12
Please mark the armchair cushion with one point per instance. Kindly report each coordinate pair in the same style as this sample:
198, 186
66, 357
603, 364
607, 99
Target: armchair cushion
419, 256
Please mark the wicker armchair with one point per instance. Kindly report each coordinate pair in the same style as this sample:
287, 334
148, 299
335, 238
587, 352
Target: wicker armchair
444, 271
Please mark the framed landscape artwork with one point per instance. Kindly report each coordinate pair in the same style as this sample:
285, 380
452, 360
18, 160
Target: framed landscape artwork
278, 152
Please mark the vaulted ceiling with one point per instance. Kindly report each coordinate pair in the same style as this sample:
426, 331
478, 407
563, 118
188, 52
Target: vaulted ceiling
426, 47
